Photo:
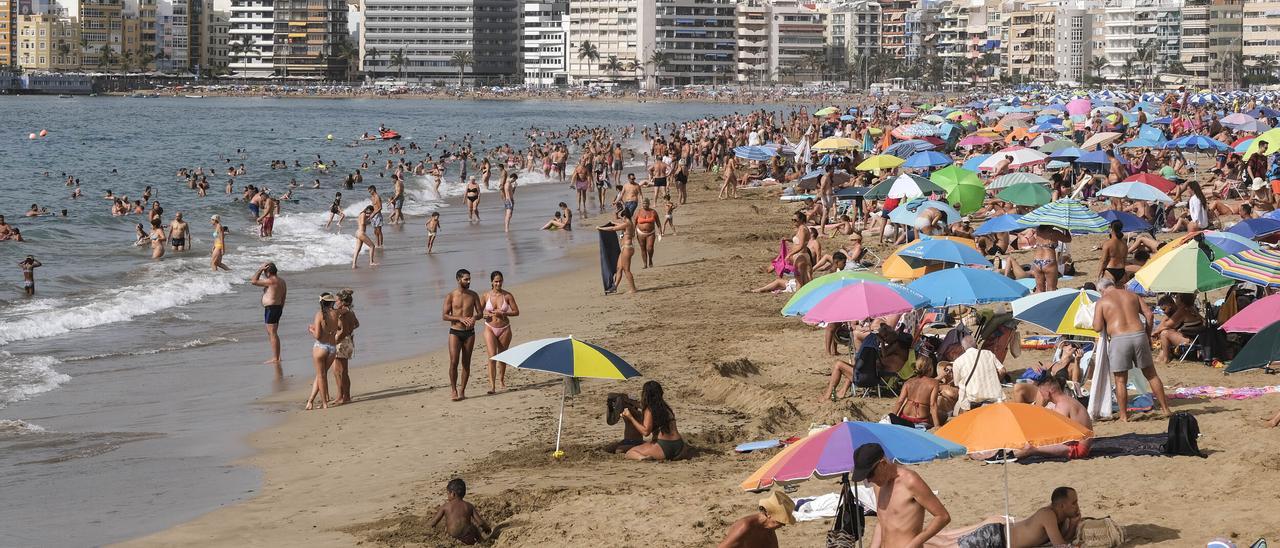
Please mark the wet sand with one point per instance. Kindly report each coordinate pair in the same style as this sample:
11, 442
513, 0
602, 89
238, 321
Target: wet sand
734, 371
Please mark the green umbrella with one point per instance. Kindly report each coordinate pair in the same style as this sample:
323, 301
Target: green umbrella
964, 188
1055, 146
952, 175
1260, 351
1026, 194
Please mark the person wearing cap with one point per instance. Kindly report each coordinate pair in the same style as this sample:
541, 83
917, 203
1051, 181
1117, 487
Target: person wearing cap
902, 498
759, 530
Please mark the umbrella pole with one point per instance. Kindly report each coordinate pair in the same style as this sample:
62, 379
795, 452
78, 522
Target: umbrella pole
560, 426
1008, 530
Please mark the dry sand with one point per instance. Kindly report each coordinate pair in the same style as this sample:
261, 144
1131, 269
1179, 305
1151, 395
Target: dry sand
373, 472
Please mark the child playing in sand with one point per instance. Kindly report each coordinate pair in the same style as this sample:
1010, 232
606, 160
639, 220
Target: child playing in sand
433, 225
461, 519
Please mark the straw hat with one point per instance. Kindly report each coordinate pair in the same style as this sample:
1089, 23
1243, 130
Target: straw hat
779, 507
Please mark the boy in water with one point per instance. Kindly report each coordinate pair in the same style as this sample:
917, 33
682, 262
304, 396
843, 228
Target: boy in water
433, 225
461, 519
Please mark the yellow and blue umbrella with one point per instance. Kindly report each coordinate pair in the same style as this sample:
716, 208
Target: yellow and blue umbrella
571, 358
1055, 311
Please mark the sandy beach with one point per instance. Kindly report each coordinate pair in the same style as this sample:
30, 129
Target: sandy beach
373, 472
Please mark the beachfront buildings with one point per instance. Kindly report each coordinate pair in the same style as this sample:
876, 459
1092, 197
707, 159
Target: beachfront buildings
48, 43
697, 40
798, 49
853, 31
752, 29
8, 32
436, 40
544, 52
101, 33
1143, 38
306, 38
600, 30
252, 35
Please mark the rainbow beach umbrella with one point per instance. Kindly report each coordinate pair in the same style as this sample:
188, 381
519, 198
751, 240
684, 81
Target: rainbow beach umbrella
570, 358
1185, 269
1055, 311
1259, 266
829, 453
817, 289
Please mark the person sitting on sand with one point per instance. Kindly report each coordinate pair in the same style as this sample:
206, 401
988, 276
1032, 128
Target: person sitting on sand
759, 530
1056, 524
977, 374
918, 402
556, 223
1182, 323
461, 519
658, 420
1052, 390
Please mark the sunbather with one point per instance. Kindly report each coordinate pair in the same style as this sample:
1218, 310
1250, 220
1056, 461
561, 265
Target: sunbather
1056, 524
918, 401
1052, 392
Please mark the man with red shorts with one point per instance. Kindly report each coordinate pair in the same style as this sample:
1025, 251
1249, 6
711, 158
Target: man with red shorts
1051, 391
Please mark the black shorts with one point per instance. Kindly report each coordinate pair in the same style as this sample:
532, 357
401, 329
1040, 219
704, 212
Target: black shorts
659, 181
271, 314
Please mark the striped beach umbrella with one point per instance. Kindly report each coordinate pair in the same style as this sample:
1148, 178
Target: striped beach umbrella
903, 186
1255, 228
1017, 178
1259, 266
914, 131
1067, 214
817, 289
1055, 311
1026, 194
757, 153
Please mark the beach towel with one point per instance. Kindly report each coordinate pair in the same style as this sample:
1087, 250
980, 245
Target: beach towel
1222, 392
780, 264
825, 506
1101, 396
1124, 445
610, 249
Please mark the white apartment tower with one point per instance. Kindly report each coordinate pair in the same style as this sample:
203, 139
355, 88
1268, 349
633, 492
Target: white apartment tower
623, 29
698, 39
421, 40
250, 38
544, 53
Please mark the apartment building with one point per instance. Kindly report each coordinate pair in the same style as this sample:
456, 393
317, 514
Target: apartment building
306, 38
8, 32
252, 38
1030, 46
797, 33
545, 50
1143, 37
699, 40
625, 29
173, 36
419, 39
752, 18
48, 43
101, 33
853, 31
1072, 47
893, 27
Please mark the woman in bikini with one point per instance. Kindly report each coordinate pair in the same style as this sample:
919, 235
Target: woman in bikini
499, 307
219, 245
362, 239
801, 256
646, 231
157, 239
657, 420
918, 402
626, 234
324, 327
484, 171
473, 198
346, 346
1044, 267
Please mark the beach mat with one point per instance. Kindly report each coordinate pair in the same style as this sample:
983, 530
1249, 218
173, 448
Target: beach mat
1124, 445
609, 251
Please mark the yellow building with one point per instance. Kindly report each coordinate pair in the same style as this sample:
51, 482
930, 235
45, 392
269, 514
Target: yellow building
48, 43
101, 26
8, 31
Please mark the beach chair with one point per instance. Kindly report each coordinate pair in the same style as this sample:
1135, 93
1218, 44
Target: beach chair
866, 368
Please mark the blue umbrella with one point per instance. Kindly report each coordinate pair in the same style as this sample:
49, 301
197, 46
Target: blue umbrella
1047, 127
1264, 112
1067, 154
927, 159
1196, 142
1096, 160
1230, 243
947, 251
967, 286
1255, 228
1054, 311
1163, 121
972, 163
755, 153
1130, 222
907, 213
1003, 223
906, 148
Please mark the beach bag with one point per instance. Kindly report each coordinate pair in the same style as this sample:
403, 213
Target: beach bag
1100, 533
1184, 434
1084, 316
866, 368
849, 524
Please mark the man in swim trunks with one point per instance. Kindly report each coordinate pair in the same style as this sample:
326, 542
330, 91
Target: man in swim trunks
1050, 388
267, 221
461, 310
1056, 524
397, 201
179, 233
273, 294
902, 498
658, 172
508, 191
375, 220
630, 194
1119, 313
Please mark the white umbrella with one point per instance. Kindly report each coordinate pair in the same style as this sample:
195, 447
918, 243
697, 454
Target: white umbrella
1021, 157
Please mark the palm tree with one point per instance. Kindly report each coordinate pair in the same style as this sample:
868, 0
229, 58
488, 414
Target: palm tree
461, 59
372, 54
614, 66
126, 60
1096, 67
106, 56
398, 60
660, 61
633, 66
1127, 70
242, 49
590, 53
347, 53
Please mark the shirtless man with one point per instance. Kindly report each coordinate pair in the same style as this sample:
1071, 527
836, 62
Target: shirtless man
630, 195
902, 498
1056, 524
375, 219
658, 174
758, 530
1050, 388
267, 219
179, 233
6, 229
273, 294
1114, 254
461, 310
397, 203
1119, 312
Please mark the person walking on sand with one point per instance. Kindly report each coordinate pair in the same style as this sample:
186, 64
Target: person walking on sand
273, 295
759, 530
346, 346
1115, 253
324, 327
433, 226
627, 236
902, 498
499, 307
397, 201
1126, 322
508, 190
362, 239
461, 310
219, 245
29, 266
472, 195
375, 219
630, 195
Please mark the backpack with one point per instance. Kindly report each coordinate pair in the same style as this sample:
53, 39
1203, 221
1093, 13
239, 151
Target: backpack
1184, 434
866, 368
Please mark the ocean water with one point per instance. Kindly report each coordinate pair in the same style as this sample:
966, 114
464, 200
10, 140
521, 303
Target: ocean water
126, 383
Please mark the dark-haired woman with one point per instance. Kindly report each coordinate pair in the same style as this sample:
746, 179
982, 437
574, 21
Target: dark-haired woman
658, 421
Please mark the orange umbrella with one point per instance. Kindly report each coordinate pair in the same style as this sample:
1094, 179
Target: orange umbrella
1019, 133
1008, 425
895, 268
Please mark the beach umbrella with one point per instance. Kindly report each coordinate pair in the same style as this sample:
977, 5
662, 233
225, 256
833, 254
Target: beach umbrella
905, 149
951, 176
927, 159
859, 301
967, 286
1026, 194
1044, 127
1099, 140
970, 141
904, 186
757, 153
908, 212
1237, 119
1055, 146
1227, 243
1055, 311
1128, 221
1016, 178
879, 162
1003, 223
1253, 318
944, 251
1135, 190
1185, 269
1096, 160
963, 187
1196, 142
1256, 126
1270, 137
1256, 266
1067, 214
1259, 352
1255, 228
1021, 157
1241, 145
1151, 179
1010, 426
914, 131
1067, 154
829, 453
826, 111
818, 289
838, 176
1079, 107
972, 164
568, 357
831, 144
895, 267
849, 193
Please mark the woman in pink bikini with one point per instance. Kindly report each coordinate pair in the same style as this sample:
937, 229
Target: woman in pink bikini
499, 307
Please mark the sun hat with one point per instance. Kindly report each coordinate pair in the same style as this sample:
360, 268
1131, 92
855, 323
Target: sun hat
779, 507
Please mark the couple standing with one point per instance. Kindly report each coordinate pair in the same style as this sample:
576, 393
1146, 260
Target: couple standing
462, 308
333, 327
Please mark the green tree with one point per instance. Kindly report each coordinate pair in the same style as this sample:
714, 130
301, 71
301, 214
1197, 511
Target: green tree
590, 53
1097, 66
659, 60
348, 54
399, 60
461, 59
106, 56
372, 55
614, 66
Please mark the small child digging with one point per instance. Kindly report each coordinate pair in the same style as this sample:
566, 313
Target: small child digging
461, 519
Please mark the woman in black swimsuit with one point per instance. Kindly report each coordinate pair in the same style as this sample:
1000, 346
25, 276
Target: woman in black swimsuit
473, 201
656, 419
336, 209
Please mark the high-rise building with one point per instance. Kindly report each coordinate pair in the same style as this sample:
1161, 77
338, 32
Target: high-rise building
753, 41
623, 29
8, 32
173, 28
425, 39
853, 31
1143, 37
1226, 40
921, 30
953, 37
307, 33
48, 43
251, 37
1259, 37
797, 35
215, 41
1072, 46
102, 33
699, 40
544, 52
893, 27
1031, 43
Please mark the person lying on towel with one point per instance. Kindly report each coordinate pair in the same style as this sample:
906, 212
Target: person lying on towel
1056, 524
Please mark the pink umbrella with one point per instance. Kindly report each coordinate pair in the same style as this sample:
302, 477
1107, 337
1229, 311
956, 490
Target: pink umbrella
1253, 318
864, 300
1080, 107
975, 141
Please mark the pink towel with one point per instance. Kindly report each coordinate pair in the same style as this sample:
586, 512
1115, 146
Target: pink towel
780, 264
